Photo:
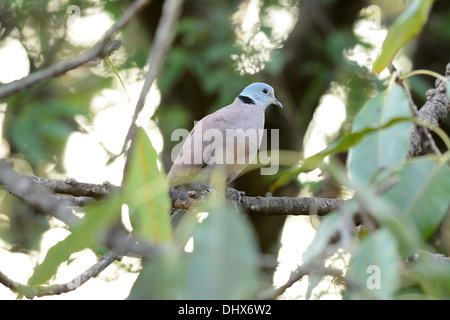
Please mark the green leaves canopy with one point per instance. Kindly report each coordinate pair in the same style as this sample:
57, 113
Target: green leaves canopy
408, 198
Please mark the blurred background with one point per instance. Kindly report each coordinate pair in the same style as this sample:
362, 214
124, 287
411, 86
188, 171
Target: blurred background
316, 54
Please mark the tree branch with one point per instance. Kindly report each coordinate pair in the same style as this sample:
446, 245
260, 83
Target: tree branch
103, 49
158, 54
298, 274
264, 205
434, 111
436, 258
184, 200
38, 194
39, 291
422, 134
290, 206
75, 188
58, 69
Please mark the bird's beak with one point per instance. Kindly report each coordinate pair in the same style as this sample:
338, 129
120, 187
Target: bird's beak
277, 103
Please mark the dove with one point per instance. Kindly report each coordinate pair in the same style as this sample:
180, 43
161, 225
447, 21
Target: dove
227, 139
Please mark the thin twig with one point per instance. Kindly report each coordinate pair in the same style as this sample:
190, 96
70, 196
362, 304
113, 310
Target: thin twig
39, 291
158, 55
297, 275
57, 69
103, 49
129, 14
435, 258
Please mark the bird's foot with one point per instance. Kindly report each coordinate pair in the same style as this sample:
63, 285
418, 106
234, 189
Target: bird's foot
230, 193
209, 190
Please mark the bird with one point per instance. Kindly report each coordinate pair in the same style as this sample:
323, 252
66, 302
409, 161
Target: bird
227, 139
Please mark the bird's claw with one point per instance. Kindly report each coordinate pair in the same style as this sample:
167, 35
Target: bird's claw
210, 190
230, 193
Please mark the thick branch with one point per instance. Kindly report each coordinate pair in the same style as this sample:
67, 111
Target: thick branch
265, 205
39, 194
434, 111
290, 206
75, 188
180, 199
35, 195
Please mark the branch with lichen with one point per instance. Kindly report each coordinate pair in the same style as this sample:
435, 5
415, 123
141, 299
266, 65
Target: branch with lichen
434, 111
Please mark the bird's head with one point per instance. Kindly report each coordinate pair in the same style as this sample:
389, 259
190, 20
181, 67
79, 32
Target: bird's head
260, 93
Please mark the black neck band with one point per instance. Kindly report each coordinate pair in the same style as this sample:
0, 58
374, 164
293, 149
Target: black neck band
246, 100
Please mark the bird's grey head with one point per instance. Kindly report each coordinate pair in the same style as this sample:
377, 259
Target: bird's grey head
259, 93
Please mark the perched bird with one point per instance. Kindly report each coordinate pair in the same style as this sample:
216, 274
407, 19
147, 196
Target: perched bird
227, 139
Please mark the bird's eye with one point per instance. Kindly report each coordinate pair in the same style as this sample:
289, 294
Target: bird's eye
265, 91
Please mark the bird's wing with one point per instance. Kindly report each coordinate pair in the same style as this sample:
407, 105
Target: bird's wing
196, 150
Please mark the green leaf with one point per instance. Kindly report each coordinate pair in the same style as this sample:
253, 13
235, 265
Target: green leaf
374, 267
383, 148
405, 28
422, 194
367, 199
145, 192
98, 217
222, 265
314, 278
328, 228
159, 278
116, 73
347, 141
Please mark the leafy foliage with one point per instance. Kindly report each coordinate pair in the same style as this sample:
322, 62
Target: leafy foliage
223, 263
41, 132
98, 218
212, 253
375, 253
408, 198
